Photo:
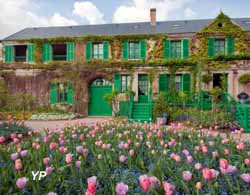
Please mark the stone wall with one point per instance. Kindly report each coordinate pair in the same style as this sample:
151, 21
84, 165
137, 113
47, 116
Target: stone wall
37, 83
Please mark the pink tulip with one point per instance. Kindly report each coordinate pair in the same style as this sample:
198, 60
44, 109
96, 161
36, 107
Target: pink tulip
52, 193
46, 160
132, 152
247, 161
91, 189
16, 140
198, 185
122, 159
240, 146
63, 149
69, 158
49, 170
207, 174
79, 149
215, 154
245, 177
78, 164
13, 136
168, 188
121, 189
204, 149
18, 164
223, 163
2, 139
187, 175
85, 152
24, 153
185, 152
198, 166
14, 156
154, 181
144, 182
226, 151
21, 182
53, 145
190, 159
229, 169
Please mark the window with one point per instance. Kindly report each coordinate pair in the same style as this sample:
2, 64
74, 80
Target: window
20, 52
176, 49
219, 46
178, 82
59, 52
98, 50
134, 52
62, 95
125, 83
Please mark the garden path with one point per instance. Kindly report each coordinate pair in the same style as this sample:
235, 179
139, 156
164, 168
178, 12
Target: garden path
58, 125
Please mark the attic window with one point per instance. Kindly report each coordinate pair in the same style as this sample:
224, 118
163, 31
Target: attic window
220, 25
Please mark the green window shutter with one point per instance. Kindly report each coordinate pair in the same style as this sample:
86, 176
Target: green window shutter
70, 51
167, 49
163, 82
143, 49
53, 93
118, 82
185, 48
105, 50
125, 50
88, 50
70, 93
31, 53
230, 45
210, 47
47, 53
186, 83
8, 54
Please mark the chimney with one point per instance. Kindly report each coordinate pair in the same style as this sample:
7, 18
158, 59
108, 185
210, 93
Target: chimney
153, 16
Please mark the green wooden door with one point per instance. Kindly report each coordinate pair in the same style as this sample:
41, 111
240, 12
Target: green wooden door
97, 105
142, 88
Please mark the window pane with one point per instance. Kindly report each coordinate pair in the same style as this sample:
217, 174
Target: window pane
134, 50
98, 51
219, 46
176, 49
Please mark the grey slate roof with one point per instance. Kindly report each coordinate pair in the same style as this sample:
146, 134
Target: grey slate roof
167, 27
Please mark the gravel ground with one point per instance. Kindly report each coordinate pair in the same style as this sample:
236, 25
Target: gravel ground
58, 125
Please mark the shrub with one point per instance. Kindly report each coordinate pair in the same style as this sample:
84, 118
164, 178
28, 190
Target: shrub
207, 78
112, 99
161, 105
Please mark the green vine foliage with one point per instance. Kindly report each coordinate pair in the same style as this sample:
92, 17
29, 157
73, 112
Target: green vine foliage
244, 79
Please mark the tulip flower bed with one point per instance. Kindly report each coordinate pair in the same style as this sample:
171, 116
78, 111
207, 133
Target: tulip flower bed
120, 158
